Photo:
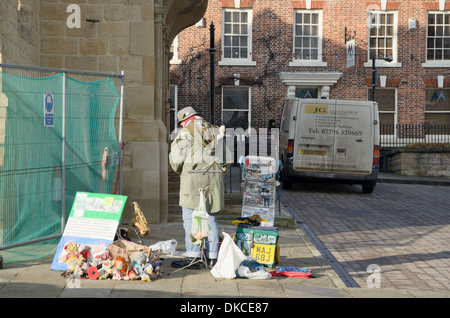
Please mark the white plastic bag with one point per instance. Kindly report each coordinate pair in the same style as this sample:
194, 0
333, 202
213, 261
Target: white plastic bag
252, 269
166, 247
200, 227
229, 258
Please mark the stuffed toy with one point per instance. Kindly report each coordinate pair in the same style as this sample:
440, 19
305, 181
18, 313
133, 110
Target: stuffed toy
120, 268
96, 262
148, 269
84, 270
81, 269
75, 266
104, 256
71, 263
138, 257
147, 272
72, 253
157, 268
71, 248
93, 273
145, 277
141, 271
85, 252
137, 268
131, 275
106, 270
121, 265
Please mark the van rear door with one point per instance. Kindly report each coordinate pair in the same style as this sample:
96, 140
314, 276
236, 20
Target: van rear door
314, 136
354, 137
334, 136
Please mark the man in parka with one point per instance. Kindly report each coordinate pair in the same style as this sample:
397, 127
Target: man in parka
195, 155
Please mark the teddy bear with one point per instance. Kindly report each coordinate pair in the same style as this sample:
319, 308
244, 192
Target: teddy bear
81, 269
138, 257
140, 266
75, 267
96, 262
85, 252
138, 260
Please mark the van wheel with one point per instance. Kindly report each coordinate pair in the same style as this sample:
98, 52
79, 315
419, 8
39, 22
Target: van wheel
368, 187
286, 182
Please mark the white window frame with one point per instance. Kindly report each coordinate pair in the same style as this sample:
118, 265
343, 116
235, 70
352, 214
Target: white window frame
381, 62
434, 63
304, 62
249, 110
175, 60
393, 112
235, 61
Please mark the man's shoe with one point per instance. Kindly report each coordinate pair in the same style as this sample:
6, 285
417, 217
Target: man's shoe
188, 263
211, 263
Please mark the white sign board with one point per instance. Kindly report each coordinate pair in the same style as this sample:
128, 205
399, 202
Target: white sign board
351, 53
91, 226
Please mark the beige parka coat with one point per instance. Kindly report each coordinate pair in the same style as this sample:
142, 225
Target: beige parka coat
194, 149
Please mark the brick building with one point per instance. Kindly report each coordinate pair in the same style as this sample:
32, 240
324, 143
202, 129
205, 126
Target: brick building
267, 50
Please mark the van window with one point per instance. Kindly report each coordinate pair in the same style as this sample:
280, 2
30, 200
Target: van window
285, 118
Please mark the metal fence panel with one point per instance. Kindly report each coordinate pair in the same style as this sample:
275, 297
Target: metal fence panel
57, 137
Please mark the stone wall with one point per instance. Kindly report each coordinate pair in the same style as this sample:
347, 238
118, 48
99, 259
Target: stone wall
133, 36
19, 43
115, 36
19, 32
419, 162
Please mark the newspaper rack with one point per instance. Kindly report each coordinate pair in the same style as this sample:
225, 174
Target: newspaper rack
259, 194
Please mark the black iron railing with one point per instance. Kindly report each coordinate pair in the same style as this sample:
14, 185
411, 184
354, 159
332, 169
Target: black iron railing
401, 135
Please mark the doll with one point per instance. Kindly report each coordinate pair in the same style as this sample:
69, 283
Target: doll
120, 268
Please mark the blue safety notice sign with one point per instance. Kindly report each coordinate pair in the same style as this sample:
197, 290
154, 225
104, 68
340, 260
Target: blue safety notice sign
49, 109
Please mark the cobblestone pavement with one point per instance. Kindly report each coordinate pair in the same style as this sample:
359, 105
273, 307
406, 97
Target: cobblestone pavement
404, 229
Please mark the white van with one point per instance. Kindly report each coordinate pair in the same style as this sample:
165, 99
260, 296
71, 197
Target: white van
330, 139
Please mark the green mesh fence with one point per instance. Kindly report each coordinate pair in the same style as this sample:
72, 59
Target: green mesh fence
32, 165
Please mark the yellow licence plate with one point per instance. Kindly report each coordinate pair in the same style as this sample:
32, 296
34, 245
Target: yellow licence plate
264, 253
310, 152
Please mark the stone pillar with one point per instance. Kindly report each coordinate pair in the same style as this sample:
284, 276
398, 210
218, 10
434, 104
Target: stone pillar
291, 91
325, 92
145, 169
